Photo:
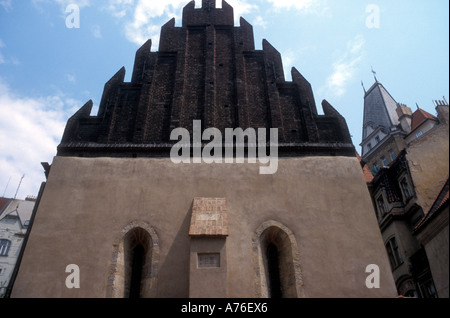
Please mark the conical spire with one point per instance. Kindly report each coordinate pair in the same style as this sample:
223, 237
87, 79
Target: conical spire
379, 110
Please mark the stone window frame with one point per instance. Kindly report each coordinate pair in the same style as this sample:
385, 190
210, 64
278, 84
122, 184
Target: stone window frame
116, 276
384, 161
5, 246
381, 199
405, 187
394, 253
392, 154
274, 228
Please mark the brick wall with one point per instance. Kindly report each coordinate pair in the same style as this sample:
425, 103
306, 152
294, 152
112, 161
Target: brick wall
206, 70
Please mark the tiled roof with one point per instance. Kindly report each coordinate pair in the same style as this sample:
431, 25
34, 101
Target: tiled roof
440, 201
3, 203
367, 174
23, 209
419, 117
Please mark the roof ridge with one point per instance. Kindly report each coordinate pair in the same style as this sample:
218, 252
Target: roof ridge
419, 117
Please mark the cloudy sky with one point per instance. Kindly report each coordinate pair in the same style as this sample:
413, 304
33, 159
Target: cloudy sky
50, 66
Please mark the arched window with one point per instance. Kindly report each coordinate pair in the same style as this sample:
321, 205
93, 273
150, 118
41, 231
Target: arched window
137, 263
134, 266
4, 247
273, 271
277, 257
137, 248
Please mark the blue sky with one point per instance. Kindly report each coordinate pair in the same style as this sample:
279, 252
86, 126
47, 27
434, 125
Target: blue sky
48, 71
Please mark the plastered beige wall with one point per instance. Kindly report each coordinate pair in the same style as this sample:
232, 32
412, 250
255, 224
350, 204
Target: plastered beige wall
428, 159
86, 204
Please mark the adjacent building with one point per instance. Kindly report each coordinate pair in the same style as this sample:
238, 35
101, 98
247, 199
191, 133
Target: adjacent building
15, 218
408, 155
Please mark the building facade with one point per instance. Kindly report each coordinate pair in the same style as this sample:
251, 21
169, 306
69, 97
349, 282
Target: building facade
136, 223
15, 218
407, 153
432, 233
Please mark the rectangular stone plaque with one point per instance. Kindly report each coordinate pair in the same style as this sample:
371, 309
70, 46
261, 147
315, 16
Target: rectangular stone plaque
209, 217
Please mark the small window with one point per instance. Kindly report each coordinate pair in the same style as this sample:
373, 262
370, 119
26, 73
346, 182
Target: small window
377, 138
395, 257
209, 260
384, 161
405, 189
369, 146
4, 247
381, 206
428, 290
375, 168
392, 155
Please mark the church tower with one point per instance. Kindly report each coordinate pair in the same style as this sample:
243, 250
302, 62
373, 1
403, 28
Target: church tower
380, 115
138, 223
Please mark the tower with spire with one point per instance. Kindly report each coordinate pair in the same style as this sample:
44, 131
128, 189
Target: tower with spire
389, 126
407, 154
380, 117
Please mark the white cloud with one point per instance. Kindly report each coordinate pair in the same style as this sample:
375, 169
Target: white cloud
96, 31
3, 60
345, 67
119, 8
143, 25
317, 7
241, 8
291, 4
80, 3
289, 58
71, 78
40, 4
6, 4
259, 21
30, 130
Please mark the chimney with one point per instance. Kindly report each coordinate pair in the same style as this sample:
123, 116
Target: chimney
442, 110
405, 117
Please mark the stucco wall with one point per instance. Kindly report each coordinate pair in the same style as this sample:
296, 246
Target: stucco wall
87, 203
428, 158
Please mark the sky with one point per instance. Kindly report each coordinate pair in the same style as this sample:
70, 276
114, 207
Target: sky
51, 65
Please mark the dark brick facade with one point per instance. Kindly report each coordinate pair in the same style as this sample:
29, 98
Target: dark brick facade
206, 70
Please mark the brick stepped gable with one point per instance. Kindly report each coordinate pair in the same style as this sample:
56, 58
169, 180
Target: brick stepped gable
206, 70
